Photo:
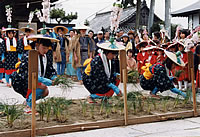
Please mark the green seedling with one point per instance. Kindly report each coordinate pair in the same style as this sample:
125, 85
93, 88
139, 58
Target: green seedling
84, 107
92, 111
164, 101
177, 100
48, 110
133, 76
154, 103
41, 110
107, 109
188, 97
140, 103
148, 105
134, 107
12, 113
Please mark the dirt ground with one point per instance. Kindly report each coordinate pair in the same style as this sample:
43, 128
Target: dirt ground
109, 110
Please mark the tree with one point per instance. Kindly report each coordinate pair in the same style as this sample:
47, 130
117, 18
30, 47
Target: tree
59, 15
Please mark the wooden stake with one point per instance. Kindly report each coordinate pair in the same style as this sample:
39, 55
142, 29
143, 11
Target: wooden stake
193, 92
33, 131
32, 84
191, 70
125, 96
123, 64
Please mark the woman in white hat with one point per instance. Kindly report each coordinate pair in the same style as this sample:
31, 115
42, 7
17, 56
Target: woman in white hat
155, 76
46, 72
99, 77
24, 44
10, 53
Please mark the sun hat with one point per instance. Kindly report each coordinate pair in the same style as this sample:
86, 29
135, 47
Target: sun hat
9, 29
115, 46
149, 48
36, 37
65, 30
144, 43
175, 58
25, 28
46, 28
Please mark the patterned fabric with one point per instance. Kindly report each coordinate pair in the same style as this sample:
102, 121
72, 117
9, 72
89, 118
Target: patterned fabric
159, 80
11, 58
1, 52
97, 81
20, 79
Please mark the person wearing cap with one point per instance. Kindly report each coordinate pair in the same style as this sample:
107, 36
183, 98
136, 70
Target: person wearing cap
61, 49
46, 72
10, 51
155, 77
184, 75
126, 42
100, 77
24, 44
83, 49
98, 40
119, 36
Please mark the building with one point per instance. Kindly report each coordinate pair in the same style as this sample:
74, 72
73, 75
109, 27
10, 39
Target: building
127, 19
192, 12
20, 11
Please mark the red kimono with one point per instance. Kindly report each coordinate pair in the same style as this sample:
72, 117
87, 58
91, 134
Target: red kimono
141, 61
184, 75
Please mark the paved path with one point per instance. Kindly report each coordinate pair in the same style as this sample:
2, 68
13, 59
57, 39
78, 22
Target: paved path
176, 128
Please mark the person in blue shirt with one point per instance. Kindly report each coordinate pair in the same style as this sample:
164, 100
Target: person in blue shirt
46, 72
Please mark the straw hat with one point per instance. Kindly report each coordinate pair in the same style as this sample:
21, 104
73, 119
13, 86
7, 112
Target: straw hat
65, 30
149, 48
81, 27
9, 29
108, 46
174, 58
176, 44
24, 28
145, 43
46, 28
35, 37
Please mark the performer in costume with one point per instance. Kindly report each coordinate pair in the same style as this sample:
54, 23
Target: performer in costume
1, 63
10, 54
61, 49
46, 72
24, 44
155, 76
184, 75
99, 78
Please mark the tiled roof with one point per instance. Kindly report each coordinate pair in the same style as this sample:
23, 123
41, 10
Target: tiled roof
103, 19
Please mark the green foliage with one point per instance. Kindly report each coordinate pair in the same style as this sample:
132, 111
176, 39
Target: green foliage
133, 76
84, 107
92, 111
12, 112
177, 100
41, 110
64, 82
59, 15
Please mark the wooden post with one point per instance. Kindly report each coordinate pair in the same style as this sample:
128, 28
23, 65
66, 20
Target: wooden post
125, 96
123, 64
32, 84
191, 69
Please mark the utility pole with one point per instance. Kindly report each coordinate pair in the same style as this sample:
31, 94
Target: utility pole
151, 16
168, 17
138, 15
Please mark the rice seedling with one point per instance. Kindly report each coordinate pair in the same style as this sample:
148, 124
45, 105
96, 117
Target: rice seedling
48, 109
12, 113
134, 106
107, 109
41, 109
154, 103
84, 107
63, 82
188, 97
164, 102
140, 103
133, 76
148, 105
92, 111
177, 100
